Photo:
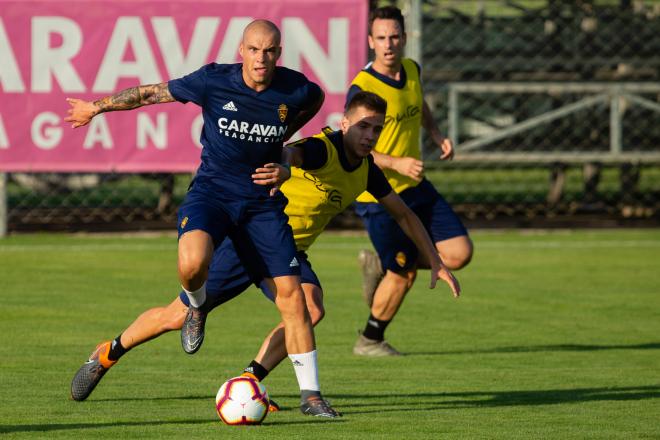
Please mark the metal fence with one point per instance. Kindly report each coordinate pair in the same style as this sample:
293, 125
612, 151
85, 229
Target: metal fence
93, 201
554, 107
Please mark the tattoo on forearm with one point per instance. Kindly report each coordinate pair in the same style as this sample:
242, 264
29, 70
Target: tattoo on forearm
156, 93
136, 97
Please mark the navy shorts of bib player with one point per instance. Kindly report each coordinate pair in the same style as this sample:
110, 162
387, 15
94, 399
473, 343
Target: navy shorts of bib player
248, 110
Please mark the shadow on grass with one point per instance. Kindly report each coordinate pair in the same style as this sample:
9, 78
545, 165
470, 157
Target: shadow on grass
353, 404
208, 397
467, 399
541, 348
48, 427
481, 399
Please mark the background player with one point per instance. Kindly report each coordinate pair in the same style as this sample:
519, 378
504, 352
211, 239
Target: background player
330, 170
249, 109
397, 80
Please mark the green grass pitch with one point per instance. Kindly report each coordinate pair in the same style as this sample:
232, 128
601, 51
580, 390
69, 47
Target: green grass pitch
557, 335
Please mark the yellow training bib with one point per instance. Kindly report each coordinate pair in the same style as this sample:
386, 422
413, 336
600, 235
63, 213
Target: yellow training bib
316, 196
403, 121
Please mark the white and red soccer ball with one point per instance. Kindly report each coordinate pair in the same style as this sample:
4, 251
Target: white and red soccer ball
242, 401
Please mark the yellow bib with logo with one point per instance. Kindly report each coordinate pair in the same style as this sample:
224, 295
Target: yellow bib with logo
403, 121
316, 196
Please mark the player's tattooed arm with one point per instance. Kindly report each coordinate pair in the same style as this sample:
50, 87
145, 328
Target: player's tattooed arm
82, 112
135, 97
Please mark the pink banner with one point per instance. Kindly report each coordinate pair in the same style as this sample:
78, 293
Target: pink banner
50, 50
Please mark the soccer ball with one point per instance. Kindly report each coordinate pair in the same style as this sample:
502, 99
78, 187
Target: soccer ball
242, 401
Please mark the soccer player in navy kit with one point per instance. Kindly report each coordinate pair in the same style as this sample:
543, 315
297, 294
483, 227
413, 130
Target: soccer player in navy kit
329, 171
249, 109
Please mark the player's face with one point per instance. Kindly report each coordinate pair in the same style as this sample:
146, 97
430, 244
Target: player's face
387, 40
260, 50
361, 128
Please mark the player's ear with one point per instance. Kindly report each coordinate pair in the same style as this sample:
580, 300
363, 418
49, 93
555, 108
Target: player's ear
278, 53
344, 124
240, 49
371, 42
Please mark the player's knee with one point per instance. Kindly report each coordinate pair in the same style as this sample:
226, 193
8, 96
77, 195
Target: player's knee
192, 271
289, 289
286, 293
455, 252
290, 302
459, 260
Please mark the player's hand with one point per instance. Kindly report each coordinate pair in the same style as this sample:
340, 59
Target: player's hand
81, 112
410, 167
271, 174
445, 275
446, 147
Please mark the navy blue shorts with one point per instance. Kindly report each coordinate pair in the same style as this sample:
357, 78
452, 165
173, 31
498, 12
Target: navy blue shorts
229, 277
259, 226
396, 251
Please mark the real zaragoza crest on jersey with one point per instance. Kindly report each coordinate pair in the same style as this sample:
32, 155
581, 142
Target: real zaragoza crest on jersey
282, 111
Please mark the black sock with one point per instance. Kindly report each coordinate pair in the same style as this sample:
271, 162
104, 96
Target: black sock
375, 328
116, 349
257, 369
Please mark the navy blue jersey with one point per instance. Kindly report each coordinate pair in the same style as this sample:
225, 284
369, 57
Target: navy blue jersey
243, 129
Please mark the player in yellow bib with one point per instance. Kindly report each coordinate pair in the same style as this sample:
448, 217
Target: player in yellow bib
389, 275
328, 172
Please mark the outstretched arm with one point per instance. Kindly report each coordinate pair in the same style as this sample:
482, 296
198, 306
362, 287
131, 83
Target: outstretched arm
82, 112
414, 229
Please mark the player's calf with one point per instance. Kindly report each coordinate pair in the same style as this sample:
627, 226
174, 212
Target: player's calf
372, 274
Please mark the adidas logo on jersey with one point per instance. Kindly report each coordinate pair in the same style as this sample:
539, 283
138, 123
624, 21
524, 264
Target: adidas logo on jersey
294, 263
230, 106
